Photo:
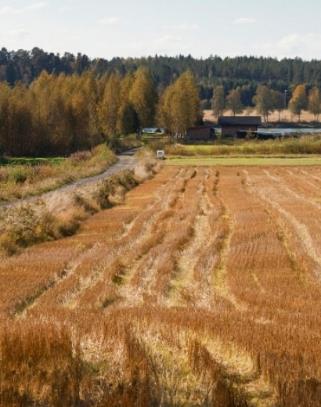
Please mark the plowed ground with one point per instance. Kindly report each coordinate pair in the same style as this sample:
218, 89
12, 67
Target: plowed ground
203, 289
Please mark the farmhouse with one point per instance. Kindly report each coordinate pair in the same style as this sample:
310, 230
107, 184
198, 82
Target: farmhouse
200, 133
239, 126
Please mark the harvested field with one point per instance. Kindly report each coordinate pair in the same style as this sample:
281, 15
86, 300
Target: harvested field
202, 289
284, 115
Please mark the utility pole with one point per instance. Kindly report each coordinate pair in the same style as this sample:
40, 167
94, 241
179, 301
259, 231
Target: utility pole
285, 99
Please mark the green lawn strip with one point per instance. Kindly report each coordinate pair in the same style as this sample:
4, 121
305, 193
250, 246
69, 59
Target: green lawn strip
31, 161
246, 161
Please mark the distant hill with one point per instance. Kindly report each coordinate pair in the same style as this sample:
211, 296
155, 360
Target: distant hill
246, 72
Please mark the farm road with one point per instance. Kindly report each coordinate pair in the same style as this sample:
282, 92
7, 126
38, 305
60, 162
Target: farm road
60, 197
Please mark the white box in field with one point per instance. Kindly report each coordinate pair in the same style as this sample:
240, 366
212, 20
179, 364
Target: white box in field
161, 154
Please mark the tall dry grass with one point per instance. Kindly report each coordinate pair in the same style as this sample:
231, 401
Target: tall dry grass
22, 180
280, 147
33, 223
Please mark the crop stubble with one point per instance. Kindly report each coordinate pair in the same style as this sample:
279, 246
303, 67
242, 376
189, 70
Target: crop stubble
202, 289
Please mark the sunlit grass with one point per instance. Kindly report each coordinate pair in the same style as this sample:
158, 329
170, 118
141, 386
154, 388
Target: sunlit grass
22, 177
245, 161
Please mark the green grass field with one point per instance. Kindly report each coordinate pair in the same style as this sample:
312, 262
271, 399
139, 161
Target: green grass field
245, 161
31, 161
279, 147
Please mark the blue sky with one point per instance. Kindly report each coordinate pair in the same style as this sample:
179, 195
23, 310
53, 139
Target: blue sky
280, 28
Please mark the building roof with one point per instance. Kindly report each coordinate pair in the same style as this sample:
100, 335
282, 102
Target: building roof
240, 121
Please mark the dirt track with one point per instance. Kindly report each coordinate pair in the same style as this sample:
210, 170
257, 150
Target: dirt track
60, 198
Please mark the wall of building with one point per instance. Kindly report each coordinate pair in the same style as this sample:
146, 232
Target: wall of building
200, 134
233, 130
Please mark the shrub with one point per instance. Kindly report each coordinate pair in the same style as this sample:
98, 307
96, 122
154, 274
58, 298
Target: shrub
19, 175
80, 156
113, 189
27, 226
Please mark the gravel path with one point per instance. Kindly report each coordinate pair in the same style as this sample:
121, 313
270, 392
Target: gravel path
59, 197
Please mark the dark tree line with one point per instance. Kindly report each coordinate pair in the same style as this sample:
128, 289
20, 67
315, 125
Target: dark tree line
240, 72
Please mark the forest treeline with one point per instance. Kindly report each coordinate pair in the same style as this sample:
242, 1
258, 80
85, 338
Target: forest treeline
60, 114
267, 100
244, 72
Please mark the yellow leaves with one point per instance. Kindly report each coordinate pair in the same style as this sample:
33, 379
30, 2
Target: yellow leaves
180, 105
143, 97
299, 100
110, 104
315, 102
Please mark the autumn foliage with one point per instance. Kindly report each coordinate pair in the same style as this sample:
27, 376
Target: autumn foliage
62, 114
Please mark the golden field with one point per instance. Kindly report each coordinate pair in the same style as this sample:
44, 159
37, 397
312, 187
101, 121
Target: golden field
284, 115
202, 289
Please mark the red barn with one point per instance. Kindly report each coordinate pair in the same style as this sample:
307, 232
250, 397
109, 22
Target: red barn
239, 126
200, 133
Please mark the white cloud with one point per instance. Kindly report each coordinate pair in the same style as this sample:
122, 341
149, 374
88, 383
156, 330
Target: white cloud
36, 6
294, 45
8, 10
244, 20
182, 27
109, 20
168, 44
167, 39
18, 34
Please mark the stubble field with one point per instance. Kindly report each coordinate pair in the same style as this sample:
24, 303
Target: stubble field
203, 289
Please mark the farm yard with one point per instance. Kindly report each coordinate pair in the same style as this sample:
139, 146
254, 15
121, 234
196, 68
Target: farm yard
202, 289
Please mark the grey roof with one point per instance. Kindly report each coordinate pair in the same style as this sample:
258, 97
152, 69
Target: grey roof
240, 121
